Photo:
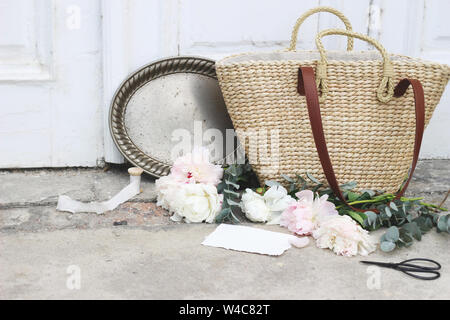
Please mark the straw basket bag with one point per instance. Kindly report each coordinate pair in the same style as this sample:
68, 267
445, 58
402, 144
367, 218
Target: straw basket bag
341, 116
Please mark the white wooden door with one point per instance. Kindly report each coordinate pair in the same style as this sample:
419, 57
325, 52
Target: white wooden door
50, 83
62, 60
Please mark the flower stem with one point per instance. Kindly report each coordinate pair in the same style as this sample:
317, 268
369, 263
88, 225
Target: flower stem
378, 199
410, 199
433, 206
390, 197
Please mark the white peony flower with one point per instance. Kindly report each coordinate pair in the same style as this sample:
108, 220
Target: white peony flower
344, 236
254, 206
166, 189
196, 202
277, 200
267, 208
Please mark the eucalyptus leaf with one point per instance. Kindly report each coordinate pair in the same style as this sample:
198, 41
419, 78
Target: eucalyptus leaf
387, 246
349, 185
352, 196
442, 224
234, 193
220, 187
271, 183
405, 238
429, 223
222, 215
287, 178
392, 234
358, 217
292, 187
310, 177
393, 206
300, 178
371, 219
235, 219
363, 196
371, 216
371, 193
388, 212
232, 171
235, 185
413, 229
233, 203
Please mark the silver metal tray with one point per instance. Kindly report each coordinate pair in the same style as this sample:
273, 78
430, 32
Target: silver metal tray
155, 101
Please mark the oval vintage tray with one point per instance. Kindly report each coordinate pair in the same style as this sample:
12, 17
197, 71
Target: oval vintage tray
158, 100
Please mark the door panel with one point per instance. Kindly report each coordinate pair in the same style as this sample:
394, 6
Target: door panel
435, 46
50, 83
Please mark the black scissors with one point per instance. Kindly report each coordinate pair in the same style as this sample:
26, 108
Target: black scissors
412, 269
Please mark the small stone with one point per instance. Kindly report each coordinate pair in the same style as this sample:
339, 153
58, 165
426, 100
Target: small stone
120, 223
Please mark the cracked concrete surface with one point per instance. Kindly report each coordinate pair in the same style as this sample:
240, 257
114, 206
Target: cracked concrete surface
152, 257
41, 187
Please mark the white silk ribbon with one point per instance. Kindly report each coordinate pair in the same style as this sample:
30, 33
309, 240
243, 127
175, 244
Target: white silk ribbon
66, 203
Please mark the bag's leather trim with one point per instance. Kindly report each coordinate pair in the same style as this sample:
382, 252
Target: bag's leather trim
307, 87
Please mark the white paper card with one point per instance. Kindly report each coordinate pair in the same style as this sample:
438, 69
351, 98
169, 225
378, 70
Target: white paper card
249, 239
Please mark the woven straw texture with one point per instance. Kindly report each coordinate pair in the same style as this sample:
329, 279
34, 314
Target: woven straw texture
369, 141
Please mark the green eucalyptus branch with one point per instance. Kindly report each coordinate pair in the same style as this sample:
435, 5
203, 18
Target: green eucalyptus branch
406, 218
235, 177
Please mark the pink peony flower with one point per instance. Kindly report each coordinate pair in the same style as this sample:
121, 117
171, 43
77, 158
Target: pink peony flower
344, 236
303, 216
195, 167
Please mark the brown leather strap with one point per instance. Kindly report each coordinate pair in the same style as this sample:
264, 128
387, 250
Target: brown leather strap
307, 86
419, 102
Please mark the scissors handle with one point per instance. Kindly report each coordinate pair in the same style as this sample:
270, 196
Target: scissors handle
413, 273
406, 263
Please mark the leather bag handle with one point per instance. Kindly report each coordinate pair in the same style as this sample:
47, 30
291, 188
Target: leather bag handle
307, 87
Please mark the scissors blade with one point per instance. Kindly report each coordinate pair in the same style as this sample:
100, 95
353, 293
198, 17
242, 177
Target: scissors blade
380, 264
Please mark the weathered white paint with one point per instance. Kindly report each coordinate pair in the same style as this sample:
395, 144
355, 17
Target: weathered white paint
435, 45
51, 84
61, 61
25, 45
132, 37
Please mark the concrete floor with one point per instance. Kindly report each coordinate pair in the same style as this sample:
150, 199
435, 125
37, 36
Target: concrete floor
42, 250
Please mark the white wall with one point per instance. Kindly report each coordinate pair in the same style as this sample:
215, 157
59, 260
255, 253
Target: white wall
61, 60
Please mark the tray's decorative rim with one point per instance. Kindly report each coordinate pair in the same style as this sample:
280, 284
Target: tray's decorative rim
152, 71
